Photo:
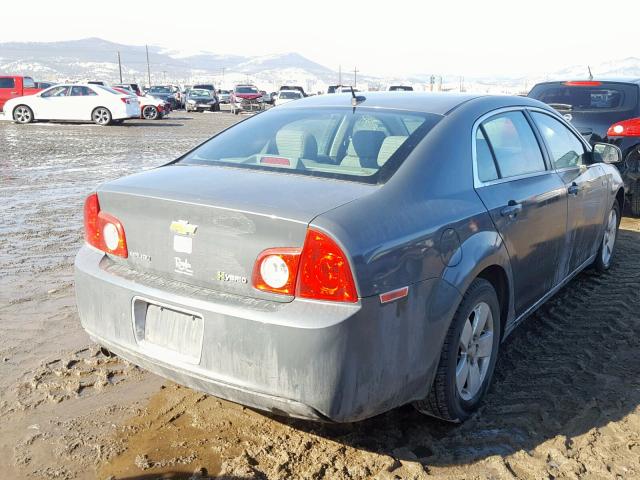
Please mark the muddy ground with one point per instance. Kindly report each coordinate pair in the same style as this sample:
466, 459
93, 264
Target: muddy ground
565, 402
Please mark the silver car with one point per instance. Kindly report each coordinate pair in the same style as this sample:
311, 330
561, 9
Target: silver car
342, 255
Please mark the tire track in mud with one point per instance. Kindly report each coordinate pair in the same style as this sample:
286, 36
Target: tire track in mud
565, 404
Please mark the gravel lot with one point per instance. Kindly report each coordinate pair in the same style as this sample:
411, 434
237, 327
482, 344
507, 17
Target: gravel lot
565, 403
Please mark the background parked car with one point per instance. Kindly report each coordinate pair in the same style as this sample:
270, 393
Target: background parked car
151, 108
224, 96
246, 98
266, 97
199, 100
134, 87
166, 93
15, 86
44, 85
286, 96
400, 88
294, 87
603, 111
78, 102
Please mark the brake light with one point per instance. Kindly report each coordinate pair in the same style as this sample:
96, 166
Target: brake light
626, 128
583, 83
320, 270
103, 231
324, 272
124, 100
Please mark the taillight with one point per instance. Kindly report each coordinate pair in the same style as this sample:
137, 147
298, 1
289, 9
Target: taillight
124, 100
626, 128
319, 271
103, 231
276, 270
324, 272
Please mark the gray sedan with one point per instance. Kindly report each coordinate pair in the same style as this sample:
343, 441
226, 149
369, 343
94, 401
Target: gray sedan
339, 256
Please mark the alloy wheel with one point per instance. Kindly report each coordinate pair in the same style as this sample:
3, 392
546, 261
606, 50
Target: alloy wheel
609, 238
149, 112
22, 115
101, 116
474, 351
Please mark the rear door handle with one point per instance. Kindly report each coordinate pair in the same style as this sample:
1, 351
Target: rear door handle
573, 189
511, 210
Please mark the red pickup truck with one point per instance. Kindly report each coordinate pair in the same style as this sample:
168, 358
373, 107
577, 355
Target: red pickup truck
15, 86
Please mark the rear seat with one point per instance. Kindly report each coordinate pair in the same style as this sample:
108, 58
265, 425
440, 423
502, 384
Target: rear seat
363, 149
389, 147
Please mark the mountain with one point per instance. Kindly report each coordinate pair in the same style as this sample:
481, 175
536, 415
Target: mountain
97, 59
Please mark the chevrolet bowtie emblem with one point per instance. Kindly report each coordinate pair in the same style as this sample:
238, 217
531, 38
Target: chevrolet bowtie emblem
183, 227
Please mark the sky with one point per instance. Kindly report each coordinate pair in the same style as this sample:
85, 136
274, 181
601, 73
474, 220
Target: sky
492, 37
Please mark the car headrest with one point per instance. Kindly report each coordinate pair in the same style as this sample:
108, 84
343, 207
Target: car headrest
365, 143
296, 144
389, 147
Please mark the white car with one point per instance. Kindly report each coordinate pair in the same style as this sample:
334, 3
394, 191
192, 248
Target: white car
286, 96
78, 102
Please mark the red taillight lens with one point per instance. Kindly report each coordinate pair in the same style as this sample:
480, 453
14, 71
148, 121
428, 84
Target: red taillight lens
124, 100
319, 271
103, 231
276, 270
324, 272
626, 128
583, 83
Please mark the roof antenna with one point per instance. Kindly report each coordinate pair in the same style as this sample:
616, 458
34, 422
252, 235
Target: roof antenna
356, 99
590, 74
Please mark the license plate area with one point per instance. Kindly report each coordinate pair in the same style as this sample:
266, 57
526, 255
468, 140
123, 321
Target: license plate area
166, 332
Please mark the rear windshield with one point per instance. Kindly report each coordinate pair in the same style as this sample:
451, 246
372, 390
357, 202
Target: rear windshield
159, 90
290, 95
200, 92
602, 97
246, 90
365, 145
7, 83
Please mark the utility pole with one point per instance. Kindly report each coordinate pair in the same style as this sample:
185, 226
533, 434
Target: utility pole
339, 74
355, 77
148, 68
120, 66
432, 81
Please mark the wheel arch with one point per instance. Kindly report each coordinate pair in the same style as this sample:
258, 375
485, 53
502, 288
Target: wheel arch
484, 255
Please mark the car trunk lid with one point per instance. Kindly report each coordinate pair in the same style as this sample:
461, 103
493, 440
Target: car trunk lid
206, 225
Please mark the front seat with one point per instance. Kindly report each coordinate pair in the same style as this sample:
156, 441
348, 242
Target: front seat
295, 145
363, 149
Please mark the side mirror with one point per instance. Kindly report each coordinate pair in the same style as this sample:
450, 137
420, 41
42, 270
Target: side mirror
606, 153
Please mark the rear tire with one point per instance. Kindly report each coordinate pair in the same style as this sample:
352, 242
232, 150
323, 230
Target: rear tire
468, 356
607, 248
634, 204
101, 116
149, 112
22, 114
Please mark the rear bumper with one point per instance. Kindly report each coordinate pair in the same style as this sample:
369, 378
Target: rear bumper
307, 359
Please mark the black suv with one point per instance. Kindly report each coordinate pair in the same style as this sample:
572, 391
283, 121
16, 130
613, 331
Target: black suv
602, 111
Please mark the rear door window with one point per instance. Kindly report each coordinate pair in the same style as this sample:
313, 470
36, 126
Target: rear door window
566, 150
513, 144
7, 83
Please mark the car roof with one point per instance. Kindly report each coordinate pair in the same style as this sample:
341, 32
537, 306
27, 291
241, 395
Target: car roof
630, 81
439, 103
